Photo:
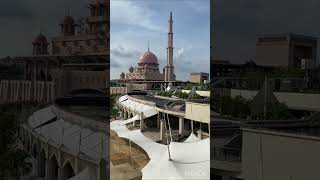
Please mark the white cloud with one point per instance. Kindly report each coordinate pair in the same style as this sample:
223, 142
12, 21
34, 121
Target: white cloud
129, 13
199, 6
120, 51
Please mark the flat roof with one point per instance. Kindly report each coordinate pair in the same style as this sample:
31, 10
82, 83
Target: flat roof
201, 73
286, 35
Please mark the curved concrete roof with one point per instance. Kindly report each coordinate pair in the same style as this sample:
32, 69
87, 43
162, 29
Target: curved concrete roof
73, 138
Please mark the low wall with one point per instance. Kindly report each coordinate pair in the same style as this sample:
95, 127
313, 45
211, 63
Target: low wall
23, 90
201, 93
118, 90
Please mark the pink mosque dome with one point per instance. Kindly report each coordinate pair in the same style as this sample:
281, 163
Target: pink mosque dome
148, 58
40, 39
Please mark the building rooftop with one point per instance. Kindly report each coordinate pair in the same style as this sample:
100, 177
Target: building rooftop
291, 35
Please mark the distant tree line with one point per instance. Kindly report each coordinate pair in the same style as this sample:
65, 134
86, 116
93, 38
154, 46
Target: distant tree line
239, 107
11, 72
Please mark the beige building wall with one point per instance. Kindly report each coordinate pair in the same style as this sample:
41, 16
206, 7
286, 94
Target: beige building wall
269, 155
272, 54
198, 77
198, 112
118, 90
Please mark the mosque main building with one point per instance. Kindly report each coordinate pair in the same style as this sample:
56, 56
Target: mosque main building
148, 71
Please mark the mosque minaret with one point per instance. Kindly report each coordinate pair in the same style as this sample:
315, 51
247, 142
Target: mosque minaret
169, 69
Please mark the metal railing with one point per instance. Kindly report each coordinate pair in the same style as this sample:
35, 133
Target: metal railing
225, 154
175, 109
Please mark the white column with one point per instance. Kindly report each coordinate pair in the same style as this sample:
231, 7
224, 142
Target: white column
162, 129
77, 165
121, 113
134, 123
181, 125
47, 161
200, 132
158, 120
125, 115
141, 122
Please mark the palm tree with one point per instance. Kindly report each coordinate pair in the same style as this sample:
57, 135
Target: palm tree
19, 162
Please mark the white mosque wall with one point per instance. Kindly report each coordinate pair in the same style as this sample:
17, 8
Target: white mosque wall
198, 112
118, 90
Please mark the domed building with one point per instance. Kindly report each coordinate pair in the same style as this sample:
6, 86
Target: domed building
40, 45
148, 69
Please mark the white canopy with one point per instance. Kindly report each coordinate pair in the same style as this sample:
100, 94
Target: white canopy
147, 111
93, 145
192, 138
190, 161
131, 120
123, 98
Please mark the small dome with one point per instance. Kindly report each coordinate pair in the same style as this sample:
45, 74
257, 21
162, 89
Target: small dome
122, 75
148, 58
40, 39
68, 20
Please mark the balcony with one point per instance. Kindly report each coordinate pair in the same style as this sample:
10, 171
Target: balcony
226, 159
226, 154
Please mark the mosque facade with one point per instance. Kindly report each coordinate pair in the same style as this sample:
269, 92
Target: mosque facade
148, 67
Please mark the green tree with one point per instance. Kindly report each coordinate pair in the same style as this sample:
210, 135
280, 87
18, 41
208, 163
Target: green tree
236, 107
8, 127
278, 111
165, 93
19, 162
13, 161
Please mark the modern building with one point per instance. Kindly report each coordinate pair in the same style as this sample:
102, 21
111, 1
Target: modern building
286, 50
199, 77
226, 69
265, 149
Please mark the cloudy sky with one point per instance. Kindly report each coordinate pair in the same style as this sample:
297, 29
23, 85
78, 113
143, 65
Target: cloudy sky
237, 22
135, 22
22, 20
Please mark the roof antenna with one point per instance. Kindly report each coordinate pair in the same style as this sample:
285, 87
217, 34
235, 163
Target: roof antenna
68, 12
148, 47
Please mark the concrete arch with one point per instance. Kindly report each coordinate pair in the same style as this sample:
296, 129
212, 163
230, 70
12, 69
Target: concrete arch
42, 148
67, 170
53, 153
42, 166
54, 168
131, 115
35, 150
28, 144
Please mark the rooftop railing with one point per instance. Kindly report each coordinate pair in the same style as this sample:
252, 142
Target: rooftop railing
226, 154
165, 106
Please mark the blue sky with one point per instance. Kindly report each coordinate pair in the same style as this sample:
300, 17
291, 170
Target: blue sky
135, 22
